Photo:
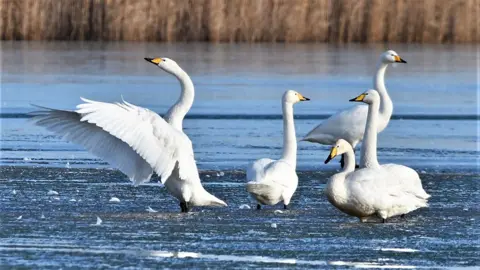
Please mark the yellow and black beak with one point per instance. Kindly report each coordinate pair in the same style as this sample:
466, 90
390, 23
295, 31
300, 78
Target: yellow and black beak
302, 98
399, 60
333, 153
359, 98
154, 61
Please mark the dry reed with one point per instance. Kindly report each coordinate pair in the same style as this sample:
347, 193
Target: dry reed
422, 21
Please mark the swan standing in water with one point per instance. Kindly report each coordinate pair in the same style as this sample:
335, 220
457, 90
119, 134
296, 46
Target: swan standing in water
349, 124
375, 190
271, 181
137, 140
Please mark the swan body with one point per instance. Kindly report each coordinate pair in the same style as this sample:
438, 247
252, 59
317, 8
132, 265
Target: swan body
273, 181
384, 191
368, 192
350, 124
137, 140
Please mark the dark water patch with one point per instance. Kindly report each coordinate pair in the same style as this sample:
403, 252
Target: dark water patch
297, 116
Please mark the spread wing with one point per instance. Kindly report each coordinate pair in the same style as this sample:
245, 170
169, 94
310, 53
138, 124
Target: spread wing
134, 139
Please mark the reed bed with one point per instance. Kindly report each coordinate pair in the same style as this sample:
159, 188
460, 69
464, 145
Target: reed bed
339, 21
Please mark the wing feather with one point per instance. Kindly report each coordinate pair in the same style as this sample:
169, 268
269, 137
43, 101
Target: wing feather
147, 139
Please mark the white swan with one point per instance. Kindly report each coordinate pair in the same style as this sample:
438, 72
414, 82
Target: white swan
371, 191
137, 140
403, 175
349, 124
271, 181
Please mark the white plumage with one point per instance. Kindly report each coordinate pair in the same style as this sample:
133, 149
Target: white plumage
137, 140
349, 124
272, 181
385, 191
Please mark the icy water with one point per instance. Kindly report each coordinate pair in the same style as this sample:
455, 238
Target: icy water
235, 119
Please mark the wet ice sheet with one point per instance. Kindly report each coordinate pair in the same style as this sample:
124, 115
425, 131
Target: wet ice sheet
311, 234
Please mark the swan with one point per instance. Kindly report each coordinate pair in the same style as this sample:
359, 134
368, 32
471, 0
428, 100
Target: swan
368, 153
349, 124
137, 140
375, 190
271, 181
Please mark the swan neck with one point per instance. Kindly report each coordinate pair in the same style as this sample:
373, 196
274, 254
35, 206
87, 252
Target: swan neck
289, 138
349, 161
177, 112
368, 153
386, 105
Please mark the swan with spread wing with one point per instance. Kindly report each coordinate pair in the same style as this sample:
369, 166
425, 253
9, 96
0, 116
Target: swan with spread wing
138, 141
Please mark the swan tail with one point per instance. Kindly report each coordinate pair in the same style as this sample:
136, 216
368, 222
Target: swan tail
211, 200
266, 194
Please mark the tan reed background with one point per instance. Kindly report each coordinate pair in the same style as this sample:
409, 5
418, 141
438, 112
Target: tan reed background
339, 21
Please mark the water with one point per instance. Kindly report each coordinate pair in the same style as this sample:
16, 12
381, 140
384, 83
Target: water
235, 119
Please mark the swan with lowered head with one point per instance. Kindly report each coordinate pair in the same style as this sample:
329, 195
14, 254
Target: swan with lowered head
137, 140
375, 190
349, 124
271, 181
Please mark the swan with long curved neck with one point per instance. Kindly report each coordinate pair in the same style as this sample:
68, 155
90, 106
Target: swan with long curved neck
401, 175
272, 181
375, 190
137, 140
349, 124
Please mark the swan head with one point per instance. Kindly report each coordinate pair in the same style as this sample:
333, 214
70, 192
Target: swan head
166, 64
391, 56
368, 97
340, 147
292, 97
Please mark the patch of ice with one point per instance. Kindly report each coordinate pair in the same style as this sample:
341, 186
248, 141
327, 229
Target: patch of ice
14, 192
43, 216
371, 265
67, 165
27, 159
273, 225
72, 200
99, 221
207, 176
244, 206
19, 217
56, 198
278, 212
150, 210
114, 199
52, 192
399, 249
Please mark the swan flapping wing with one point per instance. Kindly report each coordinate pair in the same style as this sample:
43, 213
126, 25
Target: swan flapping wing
121, 133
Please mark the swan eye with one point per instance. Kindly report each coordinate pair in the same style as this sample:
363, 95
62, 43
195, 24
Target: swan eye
392, 55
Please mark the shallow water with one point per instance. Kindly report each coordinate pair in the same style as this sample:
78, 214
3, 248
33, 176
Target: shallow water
235, 119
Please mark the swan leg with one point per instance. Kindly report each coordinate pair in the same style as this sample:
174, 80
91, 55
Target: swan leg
384, 220
183, 207
188, 207
285, 206
259, 207
402, 216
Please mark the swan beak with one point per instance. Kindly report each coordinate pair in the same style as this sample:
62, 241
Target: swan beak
333, 153
302, 98
154, 61
359, 98
399, 60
